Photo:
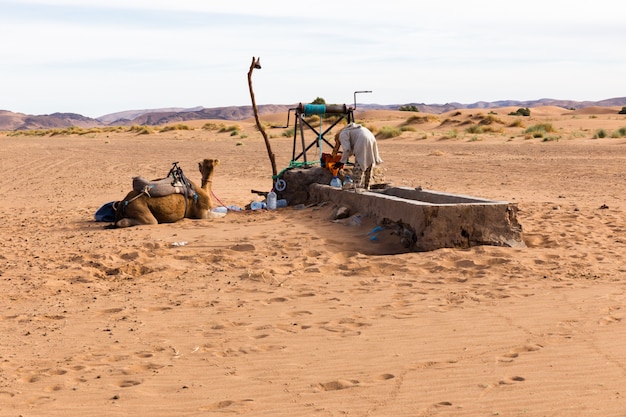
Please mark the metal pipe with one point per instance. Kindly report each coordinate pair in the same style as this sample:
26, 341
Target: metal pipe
359, 92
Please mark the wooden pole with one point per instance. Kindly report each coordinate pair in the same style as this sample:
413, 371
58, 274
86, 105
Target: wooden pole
256, 64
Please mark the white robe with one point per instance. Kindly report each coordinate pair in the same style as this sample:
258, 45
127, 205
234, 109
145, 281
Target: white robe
359, 141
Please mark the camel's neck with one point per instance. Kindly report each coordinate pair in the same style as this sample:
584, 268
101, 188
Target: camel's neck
207, 181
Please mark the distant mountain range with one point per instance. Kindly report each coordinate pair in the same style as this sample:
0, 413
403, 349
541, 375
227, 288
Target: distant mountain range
19, 121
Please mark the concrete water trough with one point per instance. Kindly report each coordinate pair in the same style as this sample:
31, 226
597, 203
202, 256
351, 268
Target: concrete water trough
428, 220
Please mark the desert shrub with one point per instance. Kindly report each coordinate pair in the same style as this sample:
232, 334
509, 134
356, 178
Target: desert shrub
490, 119
230, 128
456, 113
371, 128
516, 123
600, 133
409, 108
387, 132
115, 129
145, 130
72, 130
475, 129
408, 129
540, 130
313, 119
449, 121
288, 133
451, 134
415, 119
175, 127
264, 125
36, 132
522, 111
622, 111
619, 133
210, 126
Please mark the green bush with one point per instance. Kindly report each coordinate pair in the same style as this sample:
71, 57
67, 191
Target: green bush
622, 111
231, 128
475, 129
619, 133
522, 111
540, 130
600, 133
409, 108
387, 132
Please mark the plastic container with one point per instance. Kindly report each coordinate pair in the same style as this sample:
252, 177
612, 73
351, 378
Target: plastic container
271, 200
257, 205
348, 184
220, 209
335, 182
282, 203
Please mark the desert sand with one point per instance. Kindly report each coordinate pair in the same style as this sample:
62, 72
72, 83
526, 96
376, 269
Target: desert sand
287, 313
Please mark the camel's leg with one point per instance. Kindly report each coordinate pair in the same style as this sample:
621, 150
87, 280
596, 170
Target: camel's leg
135, 214
127, 221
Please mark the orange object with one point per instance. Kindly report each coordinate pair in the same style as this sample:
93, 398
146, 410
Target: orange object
328, 160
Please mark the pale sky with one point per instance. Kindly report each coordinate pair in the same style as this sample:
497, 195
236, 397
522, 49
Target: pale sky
96, 57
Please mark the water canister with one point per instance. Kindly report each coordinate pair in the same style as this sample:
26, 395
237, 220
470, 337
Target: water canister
335, 182
257, 205
348, 184
271, 200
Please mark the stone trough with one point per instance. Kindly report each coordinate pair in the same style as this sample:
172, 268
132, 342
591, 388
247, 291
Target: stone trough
424, 219
429, 220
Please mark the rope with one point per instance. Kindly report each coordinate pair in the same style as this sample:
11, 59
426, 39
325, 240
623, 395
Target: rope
292, 165
222, 204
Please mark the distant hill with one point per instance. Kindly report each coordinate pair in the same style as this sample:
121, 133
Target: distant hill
20, 121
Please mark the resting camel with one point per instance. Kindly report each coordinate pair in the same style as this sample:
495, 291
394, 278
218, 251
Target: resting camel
138, 208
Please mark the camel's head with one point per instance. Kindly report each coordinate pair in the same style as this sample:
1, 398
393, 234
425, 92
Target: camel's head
206, 169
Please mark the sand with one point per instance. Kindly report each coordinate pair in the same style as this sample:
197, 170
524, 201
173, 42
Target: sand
287, 313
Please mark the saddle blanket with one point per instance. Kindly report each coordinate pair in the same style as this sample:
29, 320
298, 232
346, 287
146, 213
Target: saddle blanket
162, 187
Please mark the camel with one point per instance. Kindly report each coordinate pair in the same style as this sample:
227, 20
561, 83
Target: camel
138, 208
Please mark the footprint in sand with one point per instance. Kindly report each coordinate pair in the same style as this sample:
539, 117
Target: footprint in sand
514, 353
337, 385
127, 383
228, 406
606, 320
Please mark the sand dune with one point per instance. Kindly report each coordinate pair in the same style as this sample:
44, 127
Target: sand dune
288, 313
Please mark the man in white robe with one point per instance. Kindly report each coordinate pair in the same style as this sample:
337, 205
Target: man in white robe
358, 141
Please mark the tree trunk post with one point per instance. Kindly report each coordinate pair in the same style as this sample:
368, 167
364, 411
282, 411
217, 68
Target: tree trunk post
256, 64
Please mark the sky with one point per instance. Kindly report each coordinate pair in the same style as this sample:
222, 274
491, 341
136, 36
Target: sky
96, 57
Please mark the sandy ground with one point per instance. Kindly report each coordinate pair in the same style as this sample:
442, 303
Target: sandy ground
287, 313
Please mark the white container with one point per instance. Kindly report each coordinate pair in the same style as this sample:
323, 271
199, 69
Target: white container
271, 200
335, 183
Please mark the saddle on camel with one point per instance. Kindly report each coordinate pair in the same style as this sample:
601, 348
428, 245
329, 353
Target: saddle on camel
167, 200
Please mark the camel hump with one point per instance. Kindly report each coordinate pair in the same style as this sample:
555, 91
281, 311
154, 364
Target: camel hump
161, 187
